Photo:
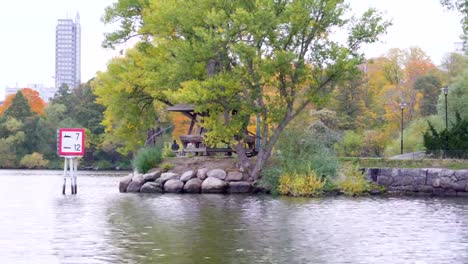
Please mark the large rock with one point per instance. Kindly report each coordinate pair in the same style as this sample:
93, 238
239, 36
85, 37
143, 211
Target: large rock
136, 183
201, 173
173, 186
217, 173
239, 187
234, 176
461, 175
151, 187
169, 176
213, 185
193, 186
124, 182
187, 176
152, 176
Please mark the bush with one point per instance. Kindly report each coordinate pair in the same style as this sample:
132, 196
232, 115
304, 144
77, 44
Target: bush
147, 158
296, 152
351, 180
34, 161
295, 184
167, 166
454, 141
351, 144
167, 151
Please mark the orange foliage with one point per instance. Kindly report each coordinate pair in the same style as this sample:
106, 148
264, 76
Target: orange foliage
181, 124
35, 102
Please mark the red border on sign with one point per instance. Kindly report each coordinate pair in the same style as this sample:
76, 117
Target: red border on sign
59, 145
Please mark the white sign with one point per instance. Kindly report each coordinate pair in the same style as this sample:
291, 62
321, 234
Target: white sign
71, 141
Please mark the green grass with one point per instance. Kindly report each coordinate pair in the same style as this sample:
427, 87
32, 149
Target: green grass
453, 164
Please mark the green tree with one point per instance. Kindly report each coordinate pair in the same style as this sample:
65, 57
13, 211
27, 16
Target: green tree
130, 106
19, 108
457, 98
239, 59
430, 86
25, 122
454, 64
454, 141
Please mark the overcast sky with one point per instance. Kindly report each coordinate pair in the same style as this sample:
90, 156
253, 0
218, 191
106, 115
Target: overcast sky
27, 28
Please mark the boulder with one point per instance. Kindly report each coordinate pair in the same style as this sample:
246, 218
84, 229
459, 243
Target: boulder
459, 185
193, 186
239, 187
152, 176
136, 183
217, 173
213, 185
173, 186
201, 173
169, 176
160, 182
461, 174
234, 176
151, 187
124, 182
187, 176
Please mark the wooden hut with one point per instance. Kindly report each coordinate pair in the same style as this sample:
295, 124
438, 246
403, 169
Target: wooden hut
193, 142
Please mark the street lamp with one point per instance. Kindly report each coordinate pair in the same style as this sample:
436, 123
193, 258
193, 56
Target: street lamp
445, 91
402, 106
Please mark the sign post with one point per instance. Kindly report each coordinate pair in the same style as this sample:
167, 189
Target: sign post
70, 145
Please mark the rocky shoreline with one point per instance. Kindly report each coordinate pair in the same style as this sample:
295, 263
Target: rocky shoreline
202, 180
396, 181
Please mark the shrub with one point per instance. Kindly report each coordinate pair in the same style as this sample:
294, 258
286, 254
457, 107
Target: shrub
295, 184
453, 141
297, 151
167, 151
351, 144
34, 161
147, 158
167, 166
351, 180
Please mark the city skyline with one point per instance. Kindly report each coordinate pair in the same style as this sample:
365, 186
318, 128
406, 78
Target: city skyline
28, 56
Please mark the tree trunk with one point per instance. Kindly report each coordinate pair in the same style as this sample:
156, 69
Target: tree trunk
245, 164
262, 158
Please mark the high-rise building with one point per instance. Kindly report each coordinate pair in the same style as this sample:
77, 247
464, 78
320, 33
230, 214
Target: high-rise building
68, 53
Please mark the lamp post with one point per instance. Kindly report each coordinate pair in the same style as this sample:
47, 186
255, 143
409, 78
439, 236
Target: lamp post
402, 106
445, 91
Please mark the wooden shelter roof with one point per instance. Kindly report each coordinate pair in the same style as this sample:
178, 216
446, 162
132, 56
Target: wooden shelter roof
181, 108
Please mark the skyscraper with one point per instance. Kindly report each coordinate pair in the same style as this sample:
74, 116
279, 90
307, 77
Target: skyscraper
68, 52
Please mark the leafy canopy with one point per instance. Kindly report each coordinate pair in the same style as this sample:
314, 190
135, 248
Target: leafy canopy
236, 59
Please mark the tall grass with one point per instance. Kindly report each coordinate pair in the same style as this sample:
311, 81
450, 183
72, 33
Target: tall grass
147, 158
297, 154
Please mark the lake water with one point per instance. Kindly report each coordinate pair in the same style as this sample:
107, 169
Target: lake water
100, 225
